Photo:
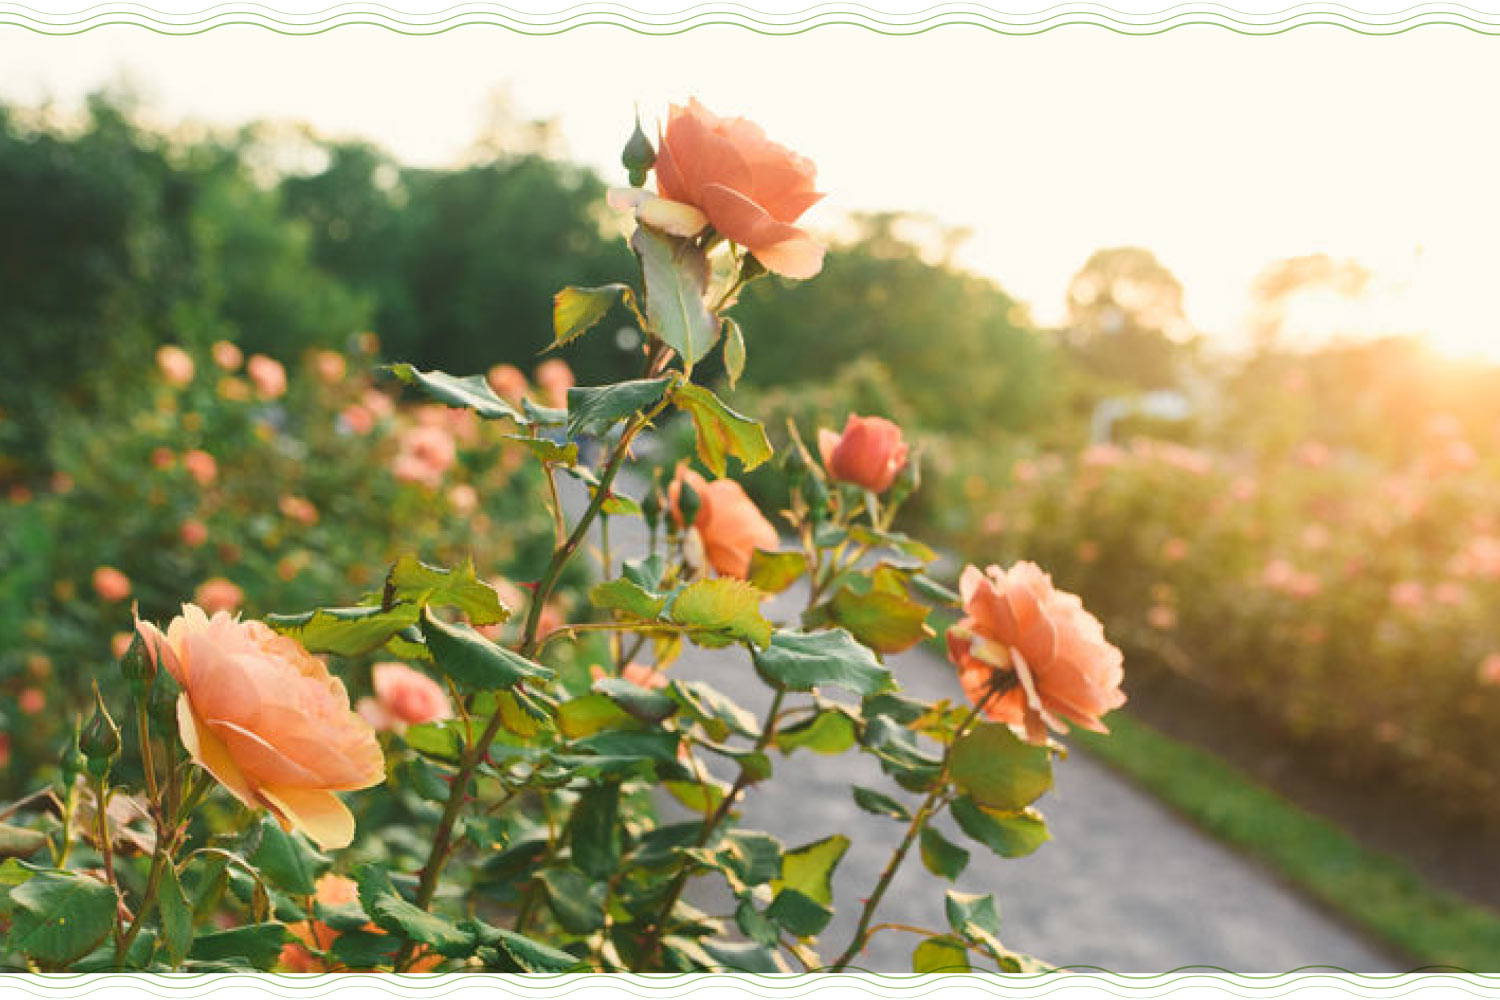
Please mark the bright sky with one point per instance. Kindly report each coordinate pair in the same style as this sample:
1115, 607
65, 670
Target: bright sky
1218, 152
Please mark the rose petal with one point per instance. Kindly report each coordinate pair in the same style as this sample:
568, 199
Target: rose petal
318, 813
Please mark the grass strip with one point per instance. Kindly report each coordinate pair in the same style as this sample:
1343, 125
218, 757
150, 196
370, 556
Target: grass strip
1373, 890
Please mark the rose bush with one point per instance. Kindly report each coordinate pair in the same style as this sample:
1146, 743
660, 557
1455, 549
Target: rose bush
494, 803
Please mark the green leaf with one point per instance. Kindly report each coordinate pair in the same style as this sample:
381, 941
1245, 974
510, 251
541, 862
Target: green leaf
643, 704
587, 715
362, 949
829, 732
395, 915
176, 917
627, 596
461, 588
575, 311
545, 450
940, 954
594, 830
773, 572
530, 955
809, 869
676, 275
60, 916
714, 711
803, 661
879, 803
345, 631
474, 662
470, 392
999, 770
900, 754
256, 945
19, 842
734, 351
884, 617
976, 918
644, 572
287, 860
594, 410
801, 916
1009, 836
730, 606
942, 856
754, 924
443, 740
576, 900
721, 431
743, 956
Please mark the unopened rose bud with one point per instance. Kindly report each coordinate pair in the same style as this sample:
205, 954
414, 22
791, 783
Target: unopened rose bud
816, 495
100, 739
638, 155
137, 667
794, 465
651, 508
71, 765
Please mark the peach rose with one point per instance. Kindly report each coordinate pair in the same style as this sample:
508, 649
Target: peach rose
31, 701
219, 594
110, 584
1016, 622
357, 419
509, 382
869, 454
264, 717
176, 365
332, 890
403, 697
193, 533
747, 187
425, 454
226, 355
555, 378
728, 521
299, 509
268, 375
330, 366
201, 466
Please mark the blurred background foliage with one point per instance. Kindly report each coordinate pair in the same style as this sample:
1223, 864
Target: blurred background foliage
1313, 534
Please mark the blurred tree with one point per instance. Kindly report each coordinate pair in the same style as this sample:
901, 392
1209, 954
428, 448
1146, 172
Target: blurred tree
1125, 319
1278, 286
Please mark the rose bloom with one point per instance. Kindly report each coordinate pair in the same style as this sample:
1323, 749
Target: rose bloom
268, 375
1489, 670
463, 498
32, 701
176, 365
298, 509
729, 523
226, 355
403, 697
747, 187
869, 454
110, 584
1174, 549
555, 378
357, 419
1017, 623
330, 366
119, 643
1162, 616
201, 466
509, 382
264, 717
332, 891
219, 594
1409, 595
425, 454
193, 533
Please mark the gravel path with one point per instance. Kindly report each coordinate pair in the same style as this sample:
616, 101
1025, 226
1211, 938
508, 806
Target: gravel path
1124, 884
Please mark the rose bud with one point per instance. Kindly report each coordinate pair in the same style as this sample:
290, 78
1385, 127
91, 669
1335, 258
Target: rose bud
869, 453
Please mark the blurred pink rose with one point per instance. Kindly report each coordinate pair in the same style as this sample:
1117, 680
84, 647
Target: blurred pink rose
1489, 670
176, 365
555, 378
1161, 616
110, 584
219, 594
193, 533
1174, 549
299, 509
357, 419
31, 701
268, 375
1016, 622
162, 458
463, 498
201, 466
265, 718
330, 366
403, 697
425, 455
1408, 595
509, 383
226, 355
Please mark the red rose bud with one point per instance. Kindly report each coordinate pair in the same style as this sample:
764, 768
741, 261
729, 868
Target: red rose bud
869, 453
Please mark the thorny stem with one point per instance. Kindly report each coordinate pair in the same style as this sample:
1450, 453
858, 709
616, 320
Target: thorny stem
442, 844
930, 806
